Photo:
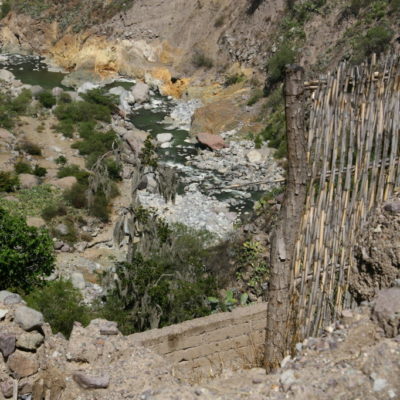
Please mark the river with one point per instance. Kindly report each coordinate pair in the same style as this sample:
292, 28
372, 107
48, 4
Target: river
206, 178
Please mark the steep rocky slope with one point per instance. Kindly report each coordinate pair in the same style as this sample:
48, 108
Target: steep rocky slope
149, 35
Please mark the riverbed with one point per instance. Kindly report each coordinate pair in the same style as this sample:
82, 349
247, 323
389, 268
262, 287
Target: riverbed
214, 190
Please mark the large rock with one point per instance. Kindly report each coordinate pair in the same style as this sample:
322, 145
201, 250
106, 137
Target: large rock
387, 311
13, 299
3, 313
254, 156
7, 344
28, 318
126, 98
214, 142
392, 206
91, 382
85, 87
57, 91
78, 281
6, 75
36, 222
30, 341
9, 298
7, 388
135, 139
4, 294
216, 117
28, 181
23, 364
61, 229
164, 137
74, 95
377, 253
36, 90
141, 92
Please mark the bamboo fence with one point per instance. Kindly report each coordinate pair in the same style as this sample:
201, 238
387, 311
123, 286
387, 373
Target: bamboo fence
353, 154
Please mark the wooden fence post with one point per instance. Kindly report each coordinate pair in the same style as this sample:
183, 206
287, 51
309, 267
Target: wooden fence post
287, 230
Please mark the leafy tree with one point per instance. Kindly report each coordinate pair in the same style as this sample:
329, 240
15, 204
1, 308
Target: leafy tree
169, 286
26, 253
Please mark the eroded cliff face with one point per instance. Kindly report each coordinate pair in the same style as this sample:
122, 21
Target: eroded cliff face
154, 36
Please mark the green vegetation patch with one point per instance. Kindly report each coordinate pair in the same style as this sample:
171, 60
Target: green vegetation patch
12, 107
26, 253
9, 182
31, 202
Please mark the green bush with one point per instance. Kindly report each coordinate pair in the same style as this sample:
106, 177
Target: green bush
252, 267
100, 96
22, 167
61, 305
276, 64
64, 98
9, 182
66, 127
80, 111
86, 129
234, 79
22, 101
26, 253
31, 148
95, 145
46, 99
6, 117
54, 210
255, 97
200, 60
61, 160
76, 196
39, 171
74, 170
100, 207
376, 40
114, 169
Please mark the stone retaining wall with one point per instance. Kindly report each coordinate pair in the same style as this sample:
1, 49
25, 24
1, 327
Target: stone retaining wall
203, 347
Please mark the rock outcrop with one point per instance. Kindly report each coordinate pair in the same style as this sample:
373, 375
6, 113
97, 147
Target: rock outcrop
214, 142
377, 254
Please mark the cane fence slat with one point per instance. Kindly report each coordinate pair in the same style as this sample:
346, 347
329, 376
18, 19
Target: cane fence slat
353, 150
